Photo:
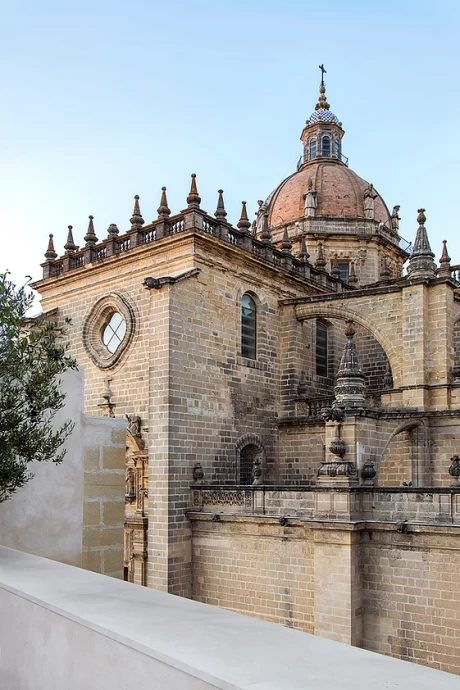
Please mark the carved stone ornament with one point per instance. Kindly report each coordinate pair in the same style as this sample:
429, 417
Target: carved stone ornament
198, 473
333, 414
336, 468
98, 317
368, 472
257, 471
130, 492
454, 470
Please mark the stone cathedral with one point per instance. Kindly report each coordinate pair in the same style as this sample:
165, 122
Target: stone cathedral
292, 391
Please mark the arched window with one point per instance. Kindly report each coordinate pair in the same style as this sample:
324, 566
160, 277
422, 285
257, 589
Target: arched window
248, 327
247, 456
337, 148
321, 349
326, 146
312, 149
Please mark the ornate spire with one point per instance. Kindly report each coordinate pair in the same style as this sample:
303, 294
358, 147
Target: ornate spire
349, 388
50, 253
70, 245
193, 199
244, 223
320, 260
136, 219
322, 101
304, 255
444, 262
220, 212
265, 235
163, 209
286, 244
112, 230
352, 277
421, 263
90, 237
384, 270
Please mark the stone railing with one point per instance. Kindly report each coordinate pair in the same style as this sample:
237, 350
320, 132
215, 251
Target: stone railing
312, 407
190, 221
454, 271
398, 504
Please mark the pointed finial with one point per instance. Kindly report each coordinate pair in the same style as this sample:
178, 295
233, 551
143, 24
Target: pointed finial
352, 277
384, 270
304, 255
244, 223
444, 262
265, 235
163, 209
90, 237
286, 244
322, 102
70, 245
220, 212
193, 199
136, 219
320, 260
421, 263
349, 388
335, 271
50, 253
112, 230
254, 228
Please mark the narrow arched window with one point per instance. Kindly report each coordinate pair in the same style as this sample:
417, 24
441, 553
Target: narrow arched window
248, 455
248, 327
321, 349
326, 146
312, 149
337, 148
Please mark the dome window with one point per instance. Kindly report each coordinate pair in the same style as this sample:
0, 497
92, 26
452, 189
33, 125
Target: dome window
326, 146
312, 149
248, 327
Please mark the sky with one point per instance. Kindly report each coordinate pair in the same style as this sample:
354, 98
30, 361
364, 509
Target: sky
105, 99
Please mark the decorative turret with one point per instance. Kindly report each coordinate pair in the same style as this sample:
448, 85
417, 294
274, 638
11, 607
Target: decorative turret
444, 262
349, 388
163, 209
90, 237
244, 223
322, 134
421, 263
136, 219
220, 212
193, 199
70, 245
50, 253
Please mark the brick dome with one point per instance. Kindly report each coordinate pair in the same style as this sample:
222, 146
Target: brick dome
340, 193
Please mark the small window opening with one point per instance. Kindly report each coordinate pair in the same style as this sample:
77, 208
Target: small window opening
321, 349
248, 327
344, 269
247, 456
326, 146
312, 149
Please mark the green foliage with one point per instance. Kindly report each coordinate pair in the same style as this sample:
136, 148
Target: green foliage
32, 357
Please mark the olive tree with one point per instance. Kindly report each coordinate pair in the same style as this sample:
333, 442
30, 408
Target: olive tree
32, 356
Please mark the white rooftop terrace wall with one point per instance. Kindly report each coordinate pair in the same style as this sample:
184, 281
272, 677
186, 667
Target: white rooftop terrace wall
60, 513
63, 627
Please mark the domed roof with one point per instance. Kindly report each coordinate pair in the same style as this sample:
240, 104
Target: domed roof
323, 115
340, 192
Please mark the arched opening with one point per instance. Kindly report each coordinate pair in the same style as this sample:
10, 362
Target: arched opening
248, 327
312, 149
248, 455
404, 461
326, 146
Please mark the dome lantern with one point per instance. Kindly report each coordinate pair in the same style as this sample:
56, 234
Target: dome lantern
322, 135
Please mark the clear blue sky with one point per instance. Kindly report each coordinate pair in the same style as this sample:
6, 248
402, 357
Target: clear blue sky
105, 99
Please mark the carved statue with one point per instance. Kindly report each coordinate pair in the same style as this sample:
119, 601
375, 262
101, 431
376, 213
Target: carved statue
454, 470
261, 211
134, 425
369, 196
130, 488
333, 414
311, 202
395, 218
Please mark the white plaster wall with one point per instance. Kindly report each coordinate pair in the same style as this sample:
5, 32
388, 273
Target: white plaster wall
67, 628
45, 517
